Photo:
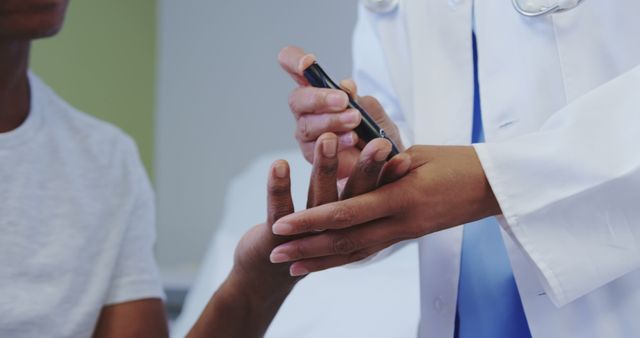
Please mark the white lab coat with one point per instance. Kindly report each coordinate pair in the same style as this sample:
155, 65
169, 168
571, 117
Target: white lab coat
561, 109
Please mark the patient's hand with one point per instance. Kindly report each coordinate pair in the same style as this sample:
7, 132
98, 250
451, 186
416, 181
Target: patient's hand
253, 254
254, 290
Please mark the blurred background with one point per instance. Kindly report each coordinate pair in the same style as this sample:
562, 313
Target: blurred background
197, 84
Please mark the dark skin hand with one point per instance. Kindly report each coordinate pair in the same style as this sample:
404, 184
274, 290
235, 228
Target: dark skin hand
247, 301
445, 187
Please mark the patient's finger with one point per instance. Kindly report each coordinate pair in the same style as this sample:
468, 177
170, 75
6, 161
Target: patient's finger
279, 202
365, 174
323, 188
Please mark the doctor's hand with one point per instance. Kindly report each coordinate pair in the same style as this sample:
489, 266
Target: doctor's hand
445, 187
320, 110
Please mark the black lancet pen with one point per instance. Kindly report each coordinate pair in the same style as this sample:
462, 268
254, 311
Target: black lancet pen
368, 129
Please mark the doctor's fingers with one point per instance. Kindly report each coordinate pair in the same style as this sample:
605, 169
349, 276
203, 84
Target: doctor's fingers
341, 242
302, 268
377, 112
279, 201
388, 200
294, 61
311, 100
365, 174
310, 126
324, 175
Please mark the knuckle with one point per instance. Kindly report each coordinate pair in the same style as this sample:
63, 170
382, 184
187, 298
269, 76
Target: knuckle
343, 215
328, 168
294, 101
359, 255
300, 251
303, 128
343, 245
304, 225
319, 98
371, 168
276, 213
327, 122
408, 231
278, 189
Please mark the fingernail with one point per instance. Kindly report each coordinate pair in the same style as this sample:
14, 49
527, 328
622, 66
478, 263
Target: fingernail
282, 229
281, 170
329, 147
297, 270
279, 257
337, 100
302, 65
348, 139
381, 155
350, 117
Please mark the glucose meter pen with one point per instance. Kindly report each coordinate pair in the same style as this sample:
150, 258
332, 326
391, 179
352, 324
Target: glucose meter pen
368, 129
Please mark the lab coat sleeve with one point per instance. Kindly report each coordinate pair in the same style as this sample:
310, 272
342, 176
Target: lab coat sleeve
570, 192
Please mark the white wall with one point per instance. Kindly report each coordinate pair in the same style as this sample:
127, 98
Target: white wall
222, 100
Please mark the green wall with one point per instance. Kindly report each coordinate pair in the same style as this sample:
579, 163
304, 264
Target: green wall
103, 63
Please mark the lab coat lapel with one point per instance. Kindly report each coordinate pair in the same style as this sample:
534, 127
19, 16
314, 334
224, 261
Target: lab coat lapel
439, 37
416, 28
391, 31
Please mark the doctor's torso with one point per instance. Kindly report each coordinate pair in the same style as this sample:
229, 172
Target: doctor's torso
417, 59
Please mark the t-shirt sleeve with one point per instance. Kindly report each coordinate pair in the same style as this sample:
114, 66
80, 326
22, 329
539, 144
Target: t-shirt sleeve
135, 275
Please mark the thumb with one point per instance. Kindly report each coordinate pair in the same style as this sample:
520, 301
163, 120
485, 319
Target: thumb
375, 109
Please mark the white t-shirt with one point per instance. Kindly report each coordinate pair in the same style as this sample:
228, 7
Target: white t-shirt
77, 221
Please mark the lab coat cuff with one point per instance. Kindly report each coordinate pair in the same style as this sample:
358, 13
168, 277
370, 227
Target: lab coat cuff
510, 221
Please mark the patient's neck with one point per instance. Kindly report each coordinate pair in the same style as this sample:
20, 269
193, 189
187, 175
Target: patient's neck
14, 85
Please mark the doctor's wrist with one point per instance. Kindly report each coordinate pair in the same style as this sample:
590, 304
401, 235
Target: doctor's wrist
453, 183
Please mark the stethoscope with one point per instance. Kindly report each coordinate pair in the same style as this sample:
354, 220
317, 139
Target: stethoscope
530, 8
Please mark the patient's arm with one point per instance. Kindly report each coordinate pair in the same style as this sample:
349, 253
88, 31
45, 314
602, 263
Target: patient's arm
247, 301
249, 298
140, 319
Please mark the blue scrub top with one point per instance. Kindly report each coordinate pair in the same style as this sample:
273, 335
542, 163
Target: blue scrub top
489, 305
